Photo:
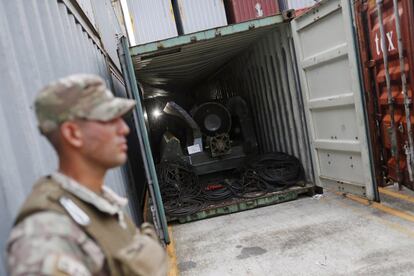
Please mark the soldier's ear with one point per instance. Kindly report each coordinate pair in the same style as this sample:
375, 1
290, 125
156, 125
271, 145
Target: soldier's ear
71, 134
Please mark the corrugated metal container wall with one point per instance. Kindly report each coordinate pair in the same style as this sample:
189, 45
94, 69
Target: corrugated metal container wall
260, 67
387, 98
152, 20
119, 14
40, 41
243, 10
108, 28
87, 8
197, 15
264, 75
296, 4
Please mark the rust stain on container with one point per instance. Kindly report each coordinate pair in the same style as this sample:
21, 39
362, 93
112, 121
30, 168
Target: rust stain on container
244, 10
374, 72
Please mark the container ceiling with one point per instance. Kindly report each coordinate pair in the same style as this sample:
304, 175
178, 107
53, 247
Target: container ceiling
176, 64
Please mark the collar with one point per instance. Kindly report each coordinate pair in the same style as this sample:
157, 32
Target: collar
109, 202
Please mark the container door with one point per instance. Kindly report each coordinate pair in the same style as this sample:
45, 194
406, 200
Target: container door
329, 75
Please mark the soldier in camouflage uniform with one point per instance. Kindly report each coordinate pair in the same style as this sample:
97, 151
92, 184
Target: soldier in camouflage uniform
72, 224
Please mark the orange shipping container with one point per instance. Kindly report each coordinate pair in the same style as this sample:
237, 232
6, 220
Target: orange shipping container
388, 99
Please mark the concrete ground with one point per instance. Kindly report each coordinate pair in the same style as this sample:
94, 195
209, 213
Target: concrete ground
332, 235
402, 200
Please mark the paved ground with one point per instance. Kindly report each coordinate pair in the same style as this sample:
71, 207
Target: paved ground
330, 236
390, 198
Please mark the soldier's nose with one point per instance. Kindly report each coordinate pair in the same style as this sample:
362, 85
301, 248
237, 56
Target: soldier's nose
123, 128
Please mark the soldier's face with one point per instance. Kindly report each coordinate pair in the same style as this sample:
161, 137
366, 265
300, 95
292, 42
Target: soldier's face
104, 143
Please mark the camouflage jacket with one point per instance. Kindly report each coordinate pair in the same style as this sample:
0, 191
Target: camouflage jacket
49, 243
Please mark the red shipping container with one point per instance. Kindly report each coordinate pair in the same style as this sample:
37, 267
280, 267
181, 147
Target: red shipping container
376, 88
244, 10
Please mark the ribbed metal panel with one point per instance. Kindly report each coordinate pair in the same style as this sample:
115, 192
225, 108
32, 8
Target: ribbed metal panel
153, 20
108, 27
187, 60
198, 15
265, 76
113, 180
119, 14
117, 176
243, 10
88, 9
299, 4
40, 41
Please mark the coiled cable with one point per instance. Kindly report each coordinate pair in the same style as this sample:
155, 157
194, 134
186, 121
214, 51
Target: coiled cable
183, 194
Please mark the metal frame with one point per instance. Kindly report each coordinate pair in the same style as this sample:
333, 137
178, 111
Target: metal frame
391, 108
148, 161
407, 100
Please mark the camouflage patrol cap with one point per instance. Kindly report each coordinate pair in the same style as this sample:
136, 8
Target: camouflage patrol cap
78, 97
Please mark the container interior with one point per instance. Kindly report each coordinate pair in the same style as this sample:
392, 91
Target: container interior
254, 60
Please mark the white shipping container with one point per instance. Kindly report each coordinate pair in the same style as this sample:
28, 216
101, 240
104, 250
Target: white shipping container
152, 20
300, 4
197, 15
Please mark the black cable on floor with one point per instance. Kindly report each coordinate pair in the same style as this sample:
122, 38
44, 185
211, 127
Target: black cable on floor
180, 189
183, 194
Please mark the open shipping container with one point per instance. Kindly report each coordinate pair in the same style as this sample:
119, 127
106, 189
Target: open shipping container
300, 79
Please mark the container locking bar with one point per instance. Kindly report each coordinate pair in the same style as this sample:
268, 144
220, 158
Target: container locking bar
407, 100
392, 132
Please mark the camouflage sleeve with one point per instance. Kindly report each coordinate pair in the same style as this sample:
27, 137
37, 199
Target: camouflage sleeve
49, 243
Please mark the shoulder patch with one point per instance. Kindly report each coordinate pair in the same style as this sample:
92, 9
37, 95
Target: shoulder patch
78, 215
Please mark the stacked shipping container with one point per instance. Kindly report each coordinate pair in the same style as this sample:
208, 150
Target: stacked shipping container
296, 4
243, 10
155, 20
389, 81
197, 15
151, 20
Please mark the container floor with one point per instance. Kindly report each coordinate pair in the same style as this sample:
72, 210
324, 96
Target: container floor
332, 235
255, 200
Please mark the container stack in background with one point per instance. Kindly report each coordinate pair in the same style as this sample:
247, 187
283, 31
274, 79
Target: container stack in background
154, 20
151, 20
296, 4
244, 10
300, 6
193, 16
